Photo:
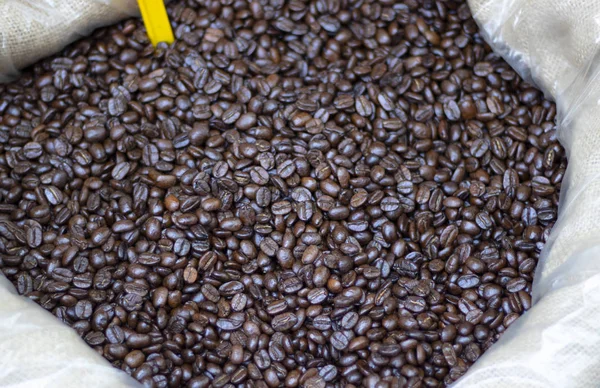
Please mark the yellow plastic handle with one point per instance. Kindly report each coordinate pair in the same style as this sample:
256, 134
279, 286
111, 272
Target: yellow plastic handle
156, 21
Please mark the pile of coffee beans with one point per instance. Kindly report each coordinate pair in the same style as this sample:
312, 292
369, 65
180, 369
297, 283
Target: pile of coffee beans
323, 193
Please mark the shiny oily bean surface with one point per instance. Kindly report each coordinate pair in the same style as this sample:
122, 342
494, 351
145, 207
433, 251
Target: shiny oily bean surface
316, 193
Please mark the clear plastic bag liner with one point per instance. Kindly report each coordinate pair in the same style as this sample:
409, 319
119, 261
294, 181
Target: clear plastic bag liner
37, 350
556, 44
34, 29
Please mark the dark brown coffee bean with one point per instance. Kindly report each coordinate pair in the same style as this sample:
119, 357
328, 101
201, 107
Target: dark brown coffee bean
239, 302
389, 204
284, 322
339, 340
83, 309
34, 235
123, 226
335, 194
468, 281
53, 195
32, 150
117, 106
516, 285
100, 236
114, 334
317, 296
135, 359
233, 322
479, 148
231, 288
120, 171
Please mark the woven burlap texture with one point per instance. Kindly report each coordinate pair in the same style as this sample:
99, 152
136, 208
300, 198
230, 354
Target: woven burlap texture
556, 44
33, 29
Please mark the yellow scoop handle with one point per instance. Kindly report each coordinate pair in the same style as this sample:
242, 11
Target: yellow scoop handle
156, 21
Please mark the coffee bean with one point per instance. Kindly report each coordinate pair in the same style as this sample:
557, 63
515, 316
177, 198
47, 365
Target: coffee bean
53, 195
34, 235
83, 309
317, 295
100, 236
328, 372
468, 281
190, 275
123, 226
479, 148
452, 111
259, 176
94, 338
231, 288
235, 321
322, 322
114, 334
516, 285
238, 302
390, 204
339, 340
274, 197
32, 150
415, 304
120, 171
135, 358
117, 106
284, 322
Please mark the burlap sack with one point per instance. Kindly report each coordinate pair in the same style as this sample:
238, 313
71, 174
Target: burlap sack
557, 343
33, 29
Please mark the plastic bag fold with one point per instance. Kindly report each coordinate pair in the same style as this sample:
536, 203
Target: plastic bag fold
37, 350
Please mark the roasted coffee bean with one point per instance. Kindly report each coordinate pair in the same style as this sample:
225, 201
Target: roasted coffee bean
339, 340
34, 235
235, 321
322, 194
284, 322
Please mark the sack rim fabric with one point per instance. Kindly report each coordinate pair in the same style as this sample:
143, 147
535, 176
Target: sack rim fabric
34, 29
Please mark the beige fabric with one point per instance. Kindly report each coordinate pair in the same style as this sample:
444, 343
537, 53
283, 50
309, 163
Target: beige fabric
33, 29
557, 343
37, 350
